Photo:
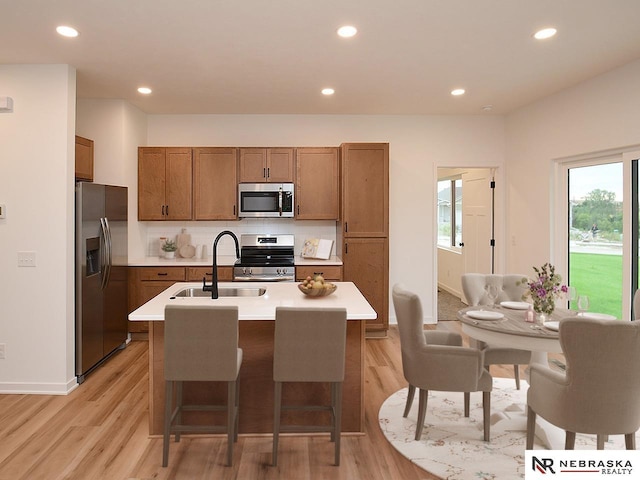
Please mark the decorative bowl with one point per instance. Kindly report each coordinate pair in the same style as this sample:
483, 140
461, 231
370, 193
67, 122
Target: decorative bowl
328, 289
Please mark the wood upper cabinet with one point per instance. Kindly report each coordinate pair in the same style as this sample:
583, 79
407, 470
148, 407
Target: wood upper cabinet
84, 159
215, 183
274, 165
365, 189
317, 180
165, 183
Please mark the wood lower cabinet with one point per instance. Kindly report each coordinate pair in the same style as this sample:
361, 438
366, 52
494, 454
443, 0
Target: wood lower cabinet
332, 273
317, 180
271, 165
215, 191
196, 274
84, 159
147, 282
165, 180
366, 263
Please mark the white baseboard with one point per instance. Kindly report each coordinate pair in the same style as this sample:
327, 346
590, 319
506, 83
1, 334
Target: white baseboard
38, 388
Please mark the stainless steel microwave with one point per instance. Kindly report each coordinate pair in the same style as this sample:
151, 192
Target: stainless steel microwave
265, 200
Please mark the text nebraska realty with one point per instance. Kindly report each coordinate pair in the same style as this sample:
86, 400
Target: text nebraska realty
606, 467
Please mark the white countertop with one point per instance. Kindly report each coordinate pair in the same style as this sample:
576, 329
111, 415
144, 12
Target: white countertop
278, 294
223, 261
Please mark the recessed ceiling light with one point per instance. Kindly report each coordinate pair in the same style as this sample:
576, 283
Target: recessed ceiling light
328, 91
66, 31
347, 31
545, 33
457, 92
144, 90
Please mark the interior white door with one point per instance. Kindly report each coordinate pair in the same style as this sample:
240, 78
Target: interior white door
477, 220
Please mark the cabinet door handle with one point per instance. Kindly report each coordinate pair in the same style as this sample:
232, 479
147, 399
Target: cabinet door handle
163, 210
167, 210
346, 248
234, 210
298, 209
268, 172
162, 274
346, 226
264, 173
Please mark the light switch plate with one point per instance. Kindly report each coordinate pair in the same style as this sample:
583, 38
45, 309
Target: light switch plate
26, 259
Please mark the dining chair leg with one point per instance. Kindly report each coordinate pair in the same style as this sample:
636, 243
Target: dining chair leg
422, 410
337, 421
467, 401
531, 427
569, 440
600, 441
277, 399
516, 375
630, 441
168, 393
410, 394
486, 415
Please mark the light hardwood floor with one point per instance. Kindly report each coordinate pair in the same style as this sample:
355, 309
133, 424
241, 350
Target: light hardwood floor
100, 431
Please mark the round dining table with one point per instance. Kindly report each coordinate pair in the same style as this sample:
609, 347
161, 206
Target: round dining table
501, 326
511, 330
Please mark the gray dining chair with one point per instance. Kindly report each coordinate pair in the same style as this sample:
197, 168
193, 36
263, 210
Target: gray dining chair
599, 392
437, 361
474, 287
200, 345
309, 346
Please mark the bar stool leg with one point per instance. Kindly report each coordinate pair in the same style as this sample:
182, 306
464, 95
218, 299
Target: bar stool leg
179, 407
277, 400
231, 421
337, 427
168, 393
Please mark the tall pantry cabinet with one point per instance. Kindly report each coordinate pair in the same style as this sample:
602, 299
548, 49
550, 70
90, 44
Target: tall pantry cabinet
363, 232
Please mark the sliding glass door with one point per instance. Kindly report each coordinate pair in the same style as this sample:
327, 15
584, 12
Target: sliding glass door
596, 229
595, 235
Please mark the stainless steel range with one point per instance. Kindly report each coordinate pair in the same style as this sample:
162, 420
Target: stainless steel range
265, 258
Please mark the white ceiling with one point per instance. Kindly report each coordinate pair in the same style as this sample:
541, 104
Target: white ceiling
274, 56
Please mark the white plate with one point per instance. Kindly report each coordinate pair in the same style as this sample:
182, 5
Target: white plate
516, 305
597, 316
552, 325
485, 315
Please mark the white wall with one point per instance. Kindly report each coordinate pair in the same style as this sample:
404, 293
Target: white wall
600, 114
37, 155
416, 145
117, 129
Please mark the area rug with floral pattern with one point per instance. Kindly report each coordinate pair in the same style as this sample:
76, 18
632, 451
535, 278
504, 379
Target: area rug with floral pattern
451, 445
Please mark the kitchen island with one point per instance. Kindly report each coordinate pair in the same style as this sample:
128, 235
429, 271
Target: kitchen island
256, 329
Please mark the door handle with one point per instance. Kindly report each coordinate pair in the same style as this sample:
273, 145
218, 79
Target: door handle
461, 244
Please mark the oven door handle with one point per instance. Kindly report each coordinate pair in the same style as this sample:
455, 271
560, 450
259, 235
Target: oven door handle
265, 278
280, 201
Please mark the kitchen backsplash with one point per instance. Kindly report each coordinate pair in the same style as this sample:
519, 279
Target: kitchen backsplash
204, 233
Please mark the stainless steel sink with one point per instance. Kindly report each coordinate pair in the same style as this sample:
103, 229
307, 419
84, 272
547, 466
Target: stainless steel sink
223, 292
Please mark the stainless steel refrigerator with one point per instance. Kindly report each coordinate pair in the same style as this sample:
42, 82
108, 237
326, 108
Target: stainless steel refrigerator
101, 274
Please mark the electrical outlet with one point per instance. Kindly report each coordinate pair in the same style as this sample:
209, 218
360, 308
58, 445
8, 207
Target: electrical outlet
2, 350
26, 259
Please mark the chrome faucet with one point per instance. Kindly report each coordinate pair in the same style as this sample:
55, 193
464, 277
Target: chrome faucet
214, 283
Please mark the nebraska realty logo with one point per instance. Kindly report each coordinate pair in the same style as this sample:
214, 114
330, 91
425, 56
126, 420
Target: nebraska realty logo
581, 464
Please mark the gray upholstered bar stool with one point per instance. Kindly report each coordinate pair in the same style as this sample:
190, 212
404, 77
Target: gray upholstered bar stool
200, 344
309, 346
